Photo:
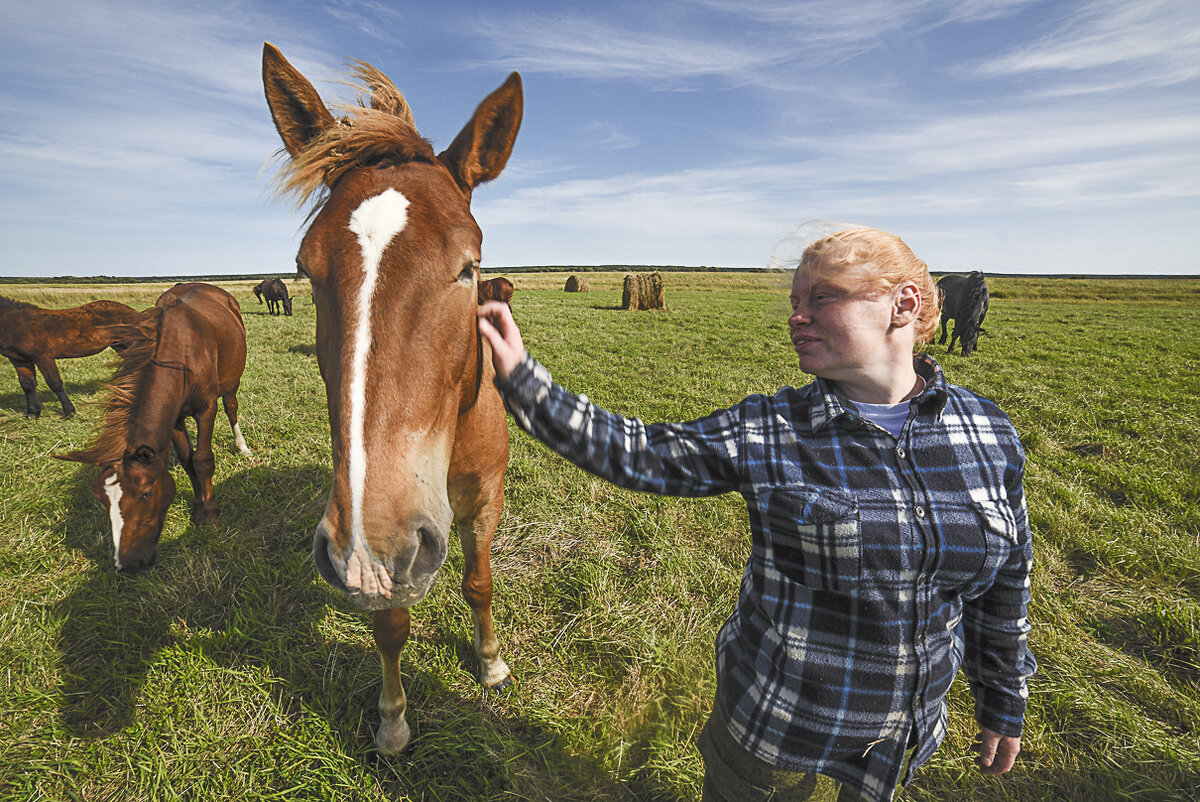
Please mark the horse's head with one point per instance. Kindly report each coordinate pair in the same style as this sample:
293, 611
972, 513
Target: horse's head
137, 491
393, 256
287, 305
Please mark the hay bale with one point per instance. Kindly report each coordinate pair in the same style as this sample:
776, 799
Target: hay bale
576, 284
643, 291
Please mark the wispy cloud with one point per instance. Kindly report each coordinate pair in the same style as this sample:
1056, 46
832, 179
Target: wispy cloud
607, 136
1160, 39
588, 47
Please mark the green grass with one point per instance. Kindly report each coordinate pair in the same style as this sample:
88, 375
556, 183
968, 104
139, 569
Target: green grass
229, 670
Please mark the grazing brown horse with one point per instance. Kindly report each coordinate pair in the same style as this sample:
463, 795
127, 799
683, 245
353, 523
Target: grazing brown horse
275, 291
182, 355
34, 337
418, 429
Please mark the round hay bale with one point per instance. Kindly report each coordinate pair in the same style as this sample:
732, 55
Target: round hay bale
643, 291
576, 284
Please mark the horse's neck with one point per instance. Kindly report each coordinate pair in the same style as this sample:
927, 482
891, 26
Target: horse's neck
159, 403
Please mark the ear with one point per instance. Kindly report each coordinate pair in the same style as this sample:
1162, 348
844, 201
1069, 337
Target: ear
143, 454
906, 304
483, 146
296, 108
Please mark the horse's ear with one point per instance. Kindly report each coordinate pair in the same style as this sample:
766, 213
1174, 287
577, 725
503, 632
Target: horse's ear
75, 456
296, 108
483, 146
142, 454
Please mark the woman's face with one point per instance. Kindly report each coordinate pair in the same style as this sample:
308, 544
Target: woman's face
840, 322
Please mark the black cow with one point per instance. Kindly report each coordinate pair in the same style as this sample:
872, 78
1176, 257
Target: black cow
275, 291
965, 301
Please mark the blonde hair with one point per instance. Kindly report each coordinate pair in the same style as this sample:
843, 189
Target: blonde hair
890, 262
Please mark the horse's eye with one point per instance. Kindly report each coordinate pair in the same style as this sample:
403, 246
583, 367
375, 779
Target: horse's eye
467, 274
146, 495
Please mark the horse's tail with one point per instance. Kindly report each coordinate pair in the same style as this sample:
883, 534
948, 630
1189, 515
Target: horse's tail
136, 338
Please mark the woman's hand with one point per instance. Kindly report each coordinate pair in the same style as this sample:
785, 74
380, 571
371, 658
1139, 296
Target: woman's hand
497, 324
996, 752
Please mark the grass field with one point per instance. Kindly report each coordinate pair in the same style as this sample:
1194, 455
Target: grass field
229, 671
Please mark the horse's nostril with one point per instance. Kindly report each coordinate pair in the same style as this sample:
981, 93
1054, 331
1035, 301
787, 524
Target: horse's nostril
431, 549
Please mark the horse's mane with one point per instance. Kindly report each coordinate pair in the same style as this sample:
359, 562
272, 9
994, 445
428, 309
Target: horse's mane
120, 407
9, 303
379, 134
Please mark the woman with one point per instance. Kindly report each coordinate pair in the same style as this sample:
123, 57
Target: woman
890, 536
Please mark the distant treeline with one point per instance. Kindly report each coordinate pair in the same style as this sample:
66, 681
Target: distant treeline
290, 273
529, 269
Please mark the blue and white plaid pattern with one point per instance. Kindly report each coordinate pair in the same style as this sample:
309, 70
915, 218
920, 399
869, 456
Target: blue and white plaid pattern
878, 566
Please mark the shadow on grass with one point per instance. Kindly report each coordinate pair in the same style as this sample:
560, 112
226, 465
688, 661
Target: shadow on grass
245, 594
79, 392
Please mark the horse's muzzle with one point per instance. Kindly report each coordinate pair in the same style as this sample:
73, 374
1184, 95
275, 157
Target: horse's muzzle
375, 583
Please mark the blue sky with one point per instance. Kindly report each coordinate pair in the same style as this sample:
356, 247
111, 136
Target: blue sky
1013, 136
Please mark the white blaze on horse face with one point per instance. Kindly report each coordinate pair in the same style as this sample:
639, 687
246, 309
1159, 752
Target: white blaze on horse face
112, 489
375, 222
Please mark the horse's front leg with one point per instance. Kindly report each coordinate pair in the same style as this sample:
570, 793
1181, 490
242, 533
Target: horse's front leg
390, 628
476, 536
183, 450
49, 369
205, 510
27, 377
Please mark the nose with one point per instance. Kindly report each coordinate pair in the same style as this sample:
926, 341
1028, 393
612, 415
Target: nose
137, 562
382, 572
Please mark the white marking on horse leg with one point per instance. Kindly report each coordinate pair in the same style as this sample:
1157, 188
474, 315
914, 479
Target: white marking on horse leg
240, 441
112, 489
375, 222
492, 668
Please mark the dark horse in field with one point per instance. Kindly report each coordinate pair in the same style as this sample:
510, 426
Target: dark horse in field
32, 337
275, 291
182, 355
965, 301
418, 429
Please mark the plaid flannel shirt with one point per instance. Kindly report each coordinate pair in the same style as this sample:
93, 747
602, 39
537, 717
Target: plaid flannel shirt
878, 565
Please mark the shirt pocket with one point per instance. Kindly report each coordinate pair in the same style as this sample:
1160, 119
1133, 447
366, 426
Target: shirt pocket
999, 525
813, 536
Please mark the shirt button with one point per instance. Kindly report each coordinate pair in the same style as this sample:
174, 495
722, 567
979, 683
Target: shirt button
900, 452
920, 511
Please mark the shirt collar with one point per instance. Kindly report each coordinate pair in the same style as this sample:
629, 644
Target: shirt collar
833, 404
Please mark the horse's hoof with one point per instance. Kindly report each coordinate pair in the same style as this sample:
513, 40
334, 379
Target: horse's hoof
506, 684
391, 738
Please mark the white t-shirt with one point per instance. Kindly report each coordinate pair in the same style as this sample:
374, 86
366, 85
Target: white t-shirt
889, 417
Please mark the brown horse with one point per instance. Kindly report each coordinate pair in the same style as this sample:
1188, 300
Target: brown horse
418, 429
182, 355
496, 289
276, 293
34, 337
